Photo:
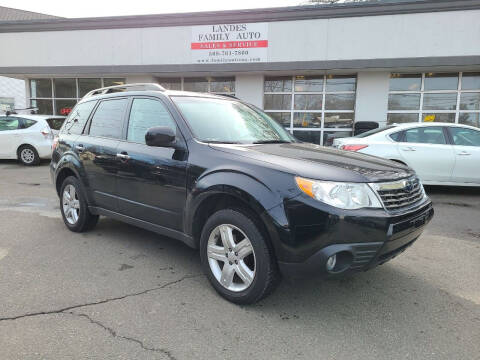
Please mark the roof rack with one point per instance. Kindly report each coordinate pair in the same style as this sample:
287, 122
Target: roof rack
125, 87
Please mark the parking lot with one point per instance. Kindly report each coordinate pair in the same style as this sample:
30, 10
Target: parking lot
119, 292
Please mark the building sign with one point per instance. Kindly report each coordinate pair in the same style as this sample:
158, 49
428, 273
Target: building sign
229, 43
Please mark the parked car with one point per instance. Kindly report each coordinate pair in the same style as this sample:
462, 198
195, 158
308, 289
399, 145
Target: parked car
222, 176
28, 138
440, 153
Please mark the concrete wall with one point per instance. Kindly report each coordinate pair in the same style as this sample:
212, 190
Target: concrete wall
13, 88
372, 97
250, 89
371, 37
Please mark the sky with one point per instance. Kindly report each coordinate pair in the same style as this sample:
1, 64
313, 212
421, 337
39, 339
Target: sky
95, 8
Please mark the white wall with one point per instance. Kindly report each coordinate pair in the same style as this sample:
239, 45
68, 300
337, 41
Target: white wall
372, 97
250, 89
13, 88
370, 37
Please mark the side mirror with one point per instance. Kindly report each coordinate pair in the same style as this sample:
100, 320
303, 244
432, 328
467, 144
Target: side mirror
160, 136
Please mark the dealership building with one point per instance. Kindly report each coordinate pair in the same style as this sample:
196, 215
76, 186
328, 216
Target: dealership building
315, 69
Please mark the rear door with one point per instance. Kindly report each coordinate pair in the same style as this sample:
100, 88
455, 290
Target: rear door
466, 144
97, 150
9, 134
151, 181
427, 151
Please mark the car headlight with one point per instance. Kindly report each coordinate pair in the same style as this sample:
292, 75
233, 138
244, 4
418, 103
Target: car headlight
339, 194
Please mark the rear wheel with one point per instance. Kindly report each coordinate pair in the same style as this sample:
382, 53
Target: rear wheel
236, 257
28, 155
74, 208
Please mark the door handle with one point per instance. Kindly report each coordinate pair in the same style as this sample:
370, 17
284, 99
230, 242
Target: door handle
79, 148
464, 153
409, 148
123, 156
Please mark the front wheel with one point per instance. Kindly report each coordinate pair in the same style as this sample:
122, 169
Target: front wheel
236, 257
74, 208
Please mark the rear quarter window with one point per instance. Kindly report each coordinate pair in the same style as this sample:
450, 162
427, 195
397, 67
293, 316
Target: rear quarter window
396, 136
76, 120
55, 123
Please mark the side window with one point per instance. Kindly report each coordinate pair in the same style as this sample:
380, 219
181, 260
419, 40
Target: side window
464, 136
108, 118
425, 135
147, 113
75, 122
55, 123
27, 123
396, 136
9, 123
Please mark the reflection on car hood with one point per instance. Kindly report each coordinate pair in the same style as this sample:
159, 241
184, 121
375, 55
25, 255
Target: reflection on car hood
322, 163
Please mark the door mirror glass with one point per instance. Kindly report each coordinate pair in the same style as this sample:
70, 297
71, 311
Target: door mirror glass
160, 136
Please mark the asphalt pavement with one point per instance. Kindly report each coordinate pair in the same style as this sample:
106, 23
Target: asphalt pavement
119, 292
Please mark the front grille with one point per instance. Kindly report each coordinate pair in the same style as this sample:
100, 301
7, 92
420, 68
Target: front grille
400, 194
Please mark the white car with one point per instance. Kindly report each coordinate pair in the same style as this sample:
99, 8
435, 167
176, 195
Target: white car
28, 138
440, 153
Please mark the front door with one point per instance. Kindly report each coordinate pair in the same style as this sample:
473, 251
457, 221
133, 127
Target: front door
97, 151
9, 134
466, 144
426, 150
151, 182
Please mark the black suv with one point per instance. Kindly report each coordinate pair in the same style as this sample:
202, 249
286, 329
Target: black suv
222, 176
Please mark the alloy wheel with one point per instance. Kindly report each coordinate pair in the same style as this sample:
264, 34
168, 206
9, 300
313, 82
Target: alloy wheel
231, 257
71, 204
27, 155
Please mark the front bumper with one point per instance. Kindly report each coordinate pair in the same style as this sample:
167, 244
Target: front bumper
399, 233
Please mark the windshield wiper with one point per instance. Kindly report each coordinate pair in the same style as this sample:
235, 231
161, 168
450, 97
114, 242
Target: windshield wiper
271, 142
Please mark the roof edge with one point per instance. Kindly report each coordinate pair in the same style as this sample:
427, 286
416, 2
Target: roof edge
371, 8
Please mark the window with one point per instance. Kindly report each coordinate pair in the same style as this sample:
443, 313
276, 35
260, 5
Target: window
434, 97
147, 113
59, 95
216, 85
425, 135
464, 136
55, 123
108, 119
315, 108
396, 136
9, 123
76, 120
227, 121
26, 123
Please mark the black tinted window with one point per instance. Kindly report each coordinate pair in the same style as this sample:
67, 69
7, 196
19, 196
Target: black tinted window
108, 118
425, 135
55, 123
464, 136
147, 113
27, 123
75, 122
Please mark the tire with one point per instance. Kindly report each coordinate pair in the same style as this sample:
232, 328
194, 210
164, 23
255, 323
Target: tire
28, 155
243, 287
75, 213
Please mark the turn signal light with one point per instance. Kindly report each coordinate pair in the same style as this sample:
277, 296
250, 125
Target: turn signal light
353, 147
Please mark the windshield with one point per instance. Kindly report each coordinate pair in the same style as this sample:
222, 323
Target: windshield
229, 121
374, 131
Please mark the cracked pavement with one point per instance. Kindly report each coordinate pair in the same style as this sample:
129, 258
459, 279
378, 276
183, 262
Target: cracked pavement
119, 292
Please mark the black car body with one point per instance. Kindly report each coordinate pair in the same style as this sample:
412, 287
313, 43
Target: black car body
174, 190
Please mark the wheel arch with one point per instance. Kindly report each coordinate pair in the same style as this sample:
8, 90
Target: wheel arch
25, 144
232, 190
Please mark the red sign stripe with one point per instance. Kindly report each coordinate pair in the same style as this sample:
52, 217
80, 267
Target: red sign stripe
229, 44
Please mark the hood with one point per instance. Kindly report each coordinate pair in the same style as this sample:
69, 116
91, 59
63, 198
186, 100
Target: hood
321, 163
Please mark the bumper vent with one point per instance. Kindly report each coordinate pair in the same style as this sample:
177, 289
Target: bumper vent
400, 194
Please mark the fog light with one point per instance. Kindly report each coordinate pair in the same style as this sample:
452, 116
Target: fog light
331, 261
